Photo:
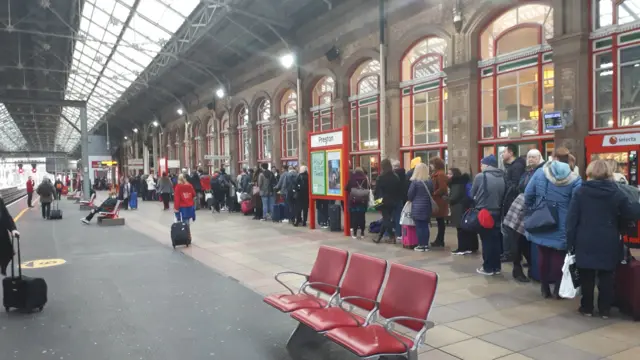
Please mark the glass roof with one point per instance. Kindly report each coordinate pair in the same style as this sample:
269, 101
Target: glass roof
103, 69
11, 138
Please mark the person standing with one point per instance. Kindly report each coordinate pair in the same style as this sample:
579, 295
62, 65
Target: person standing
125, 192
404, 184
165, 187
301, 196
46, 191
514, 168
554, 184
358, 204
266, 182
488, 191
58, 185
30, 185
420, 192
8, 229
593, 235
460, 202
440, 191
389, 189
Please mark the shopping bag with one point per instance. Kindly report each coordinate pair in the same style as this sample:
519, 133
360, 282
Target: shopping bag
372, 200
207, 196
405, 215
567, 289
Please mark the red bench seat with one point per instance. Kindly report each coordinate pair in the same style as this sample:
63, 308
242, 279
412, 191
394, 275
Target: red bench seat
370, 340
322, 320
324, 278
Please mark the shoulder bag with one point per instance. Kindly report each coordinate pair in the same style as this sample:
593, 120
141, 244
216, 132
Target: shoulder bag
434, 205
471, 218
359, 195
543, 217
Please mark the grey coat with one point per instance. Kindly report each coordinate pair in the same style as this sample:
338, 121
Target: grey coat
264, 183
496, 187
164, 185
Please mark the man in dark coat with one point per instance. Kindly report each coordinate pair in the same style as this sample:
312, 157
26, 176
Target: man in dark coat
7, 226
514, 168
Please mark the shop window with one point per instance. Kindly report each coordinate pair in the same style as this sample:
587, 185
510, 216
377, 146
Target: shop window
630, 86
264, 129
364, 114
322, 104
370, 164
515, 93
289, 124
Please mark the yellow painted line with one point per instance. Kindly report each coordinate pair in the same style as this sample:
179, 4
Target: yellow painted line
37, 264
17, 217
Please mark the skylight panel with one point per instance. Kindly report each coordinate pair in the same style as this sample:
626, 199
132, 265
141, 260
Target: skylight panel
105, 67
11, 138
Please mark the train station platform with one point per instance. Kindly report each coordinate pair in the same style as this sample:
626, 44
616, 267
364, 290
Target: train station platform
124, 293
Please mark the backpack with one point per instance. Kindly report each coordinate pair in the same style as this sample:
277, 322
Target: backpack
629, 228
59, 186
359, 195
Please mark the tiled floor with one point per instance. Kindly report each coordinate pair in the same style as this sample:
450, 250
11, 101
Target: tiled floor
475, 317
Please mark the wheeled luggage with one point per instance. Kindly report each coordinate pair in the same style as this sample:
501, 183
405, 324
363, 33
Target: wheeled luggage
246, 207
55, 213
23, 292
627, 288
335, 218
409, 237
277, 215
133, 201
180, 234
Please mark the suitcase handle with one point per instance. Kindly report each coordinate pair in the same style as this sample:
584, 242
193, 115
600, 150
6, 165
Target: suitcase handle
13, 258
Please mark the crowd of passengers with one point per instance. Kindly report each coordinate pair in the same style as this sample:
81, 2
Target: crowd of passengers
590, 215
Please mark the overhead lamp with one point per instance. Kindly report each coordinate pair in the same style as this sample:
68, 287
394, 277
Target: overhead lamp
155, 124
126, 138
180, 111
135, 130
220, 93
287, 60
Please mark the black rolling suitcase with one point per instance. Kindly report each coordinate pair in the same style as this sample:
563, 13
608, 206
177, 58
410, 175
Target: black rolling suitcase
335, 218
55, 213
23, 292
180, 234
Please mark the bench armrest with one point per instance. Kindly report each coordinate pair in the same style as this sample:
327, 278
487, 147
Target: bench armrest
333, 296
276, 277
419, 338
371, 313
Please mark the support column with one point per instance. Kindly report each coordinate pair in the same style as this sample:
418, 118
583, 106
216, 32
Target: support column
145, 156
253, 139
276, 133
154, 147
303, 131
392, 126
341, 112
233, 146
571, 74
462, 110
84, 138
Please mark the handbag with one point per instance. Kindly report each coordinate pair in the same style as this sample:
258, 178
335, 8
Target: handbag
434, 205
405, 215
471, 219
543, 217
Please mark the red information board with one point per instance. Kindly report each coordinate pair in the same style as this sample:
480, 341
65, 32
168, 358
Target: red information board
328, 154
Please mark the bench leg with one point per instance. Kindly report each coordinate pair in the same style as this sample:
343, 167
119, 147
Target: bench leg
413, 355
304, 339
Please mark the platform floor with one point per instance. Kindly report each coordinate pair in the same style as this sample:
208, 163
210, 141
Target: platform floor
125, 294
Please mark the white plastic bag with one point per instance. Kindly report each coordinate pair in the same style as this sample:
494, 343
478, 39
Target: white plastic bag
567, 290
405, 215
207, 196
372, 200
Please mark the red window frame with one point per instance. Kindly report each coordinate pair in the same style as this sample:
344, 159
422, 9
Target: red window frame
261, 154
320, 106
243, 130
224, 131
614, 49
196, 135
355, 122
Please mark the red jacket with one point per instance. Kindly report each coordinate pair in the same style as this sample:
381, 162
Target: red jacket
183, 196
30, 184
205, 182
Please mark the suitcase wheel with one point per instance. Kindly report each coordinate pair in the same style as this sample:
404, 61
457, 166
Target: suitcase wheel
6, 308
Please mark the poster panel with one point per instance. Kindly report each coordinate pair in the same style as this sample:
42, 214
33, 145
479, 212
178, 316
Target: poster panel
334, 174
318, 173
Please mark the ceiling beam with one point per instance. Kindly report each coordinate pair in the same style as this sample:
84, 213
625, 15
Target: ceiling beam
46, 102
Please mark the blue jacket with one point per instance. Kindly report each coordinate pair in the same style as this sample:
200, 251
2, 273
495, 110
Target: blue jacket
597, 210
557, 184
420, 202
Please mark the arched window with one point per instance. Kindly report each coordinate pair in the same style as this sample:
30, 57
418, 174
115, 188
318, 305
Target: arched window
322, 100
225, 148
244, 140
615, 49
517, 77
198, 142
289, 125
424, 97
264, 129
364, 101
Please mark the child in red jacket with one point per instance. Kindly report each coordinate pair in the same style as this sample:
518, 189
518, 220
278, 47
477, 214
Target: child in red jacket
183, 204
